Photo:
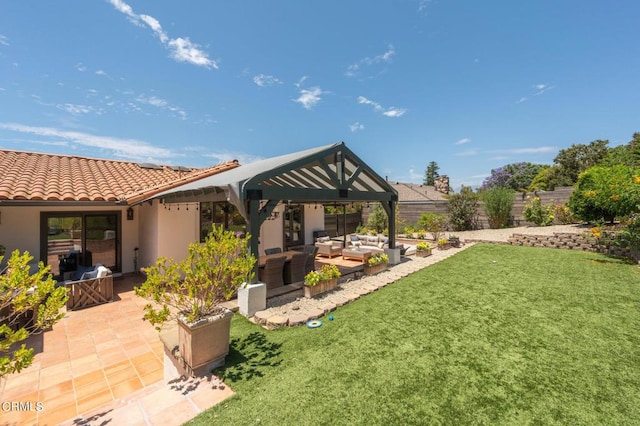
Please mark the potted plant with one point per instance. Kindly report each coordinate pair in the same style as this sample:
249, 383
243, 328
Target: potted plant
191, 291
317, 282
454, 241
443, 244
376, 263
423, 249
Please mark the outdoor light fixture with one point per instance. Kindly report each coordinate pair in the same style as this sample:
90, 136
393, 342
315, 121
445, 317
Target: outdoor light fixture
129, 213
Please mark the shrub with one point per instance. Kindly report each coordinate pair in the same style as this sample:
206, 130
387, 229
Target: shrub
377, 219
377, 259
325, 273
33, 298
463, 210
497, 206
434, 223
535, 212
563, 214
604, 193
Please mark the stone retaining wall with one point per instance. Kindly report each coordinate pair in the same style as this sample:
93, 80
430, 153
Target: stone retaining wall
571, 242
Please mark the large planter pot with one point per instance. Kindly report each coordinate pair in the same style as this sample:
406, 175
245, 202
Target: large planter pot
321, 287
454, 242
445, 246
204, 345
375, 269
423, 253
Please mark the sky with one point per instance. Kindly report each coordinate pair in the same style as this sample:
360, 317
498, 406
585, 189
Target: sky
471, 85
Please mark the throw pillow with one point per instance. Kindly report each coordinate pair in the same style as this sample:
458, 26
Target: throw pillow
381, 245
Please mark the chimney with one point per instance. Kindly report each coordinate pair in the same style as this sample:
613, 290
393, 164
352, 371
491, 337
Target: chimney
441, 184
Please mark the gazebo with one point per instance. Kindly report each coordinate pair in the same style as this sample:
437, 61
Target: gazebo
326, 174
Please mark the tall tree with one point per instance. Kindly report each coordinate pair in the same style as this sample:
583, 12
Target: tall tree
579, 157
431, 173
516, 176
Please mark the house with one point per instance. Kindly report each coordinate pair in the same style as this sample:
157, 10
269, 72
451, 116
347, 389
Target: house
125, 215
53, 205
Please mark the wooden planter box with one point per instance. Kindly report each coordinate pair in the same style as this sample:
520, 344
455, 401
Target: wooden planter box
446, 246
372, 270
423, 253
321, 287
454, 242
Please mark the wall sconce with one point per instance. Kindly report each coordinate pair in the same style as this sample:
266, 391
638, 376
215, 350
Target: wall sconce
129, 213
274, 215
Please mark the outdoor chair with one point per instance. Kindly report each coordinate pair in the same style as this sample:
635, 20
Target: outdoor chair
272, 273
273, 250
310, 263
294, 270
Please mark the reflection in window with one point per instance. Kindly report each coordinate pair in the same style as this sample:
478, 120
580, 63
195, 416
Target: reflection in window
220, 213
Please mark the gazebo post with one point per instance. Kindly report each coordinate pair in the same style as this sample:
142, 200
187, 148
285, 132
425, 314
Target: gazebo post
252, 297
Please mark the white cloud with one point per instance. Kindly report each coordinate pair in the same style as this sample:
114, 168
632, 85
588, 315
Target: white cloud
102, 73
521, 100
422, 5
125, 148
309, 98
413, 175
4, 40
263, 80
75, 109
181, 49
541, 88
394, 112
463, 141
162, 104
356, 127
300, 82
389, 112
81, 67
353, 69
2, 89
538, 150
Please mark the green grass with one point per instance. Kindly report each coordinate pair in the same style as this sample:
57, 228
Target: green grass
541, 336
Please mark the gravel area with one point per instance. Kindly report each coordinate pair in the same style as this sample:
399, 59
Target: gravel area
503, 235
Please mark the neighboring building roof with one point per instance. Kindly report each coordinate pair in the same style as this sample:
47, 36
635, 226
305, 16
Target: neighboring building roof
415, 192
28, 176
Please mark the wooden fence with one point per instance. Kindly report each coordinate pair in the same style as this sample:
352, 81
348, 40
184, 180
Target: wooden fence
410, 212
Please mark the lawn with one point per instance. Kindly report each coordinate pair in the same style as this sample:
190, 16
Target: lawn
493, 335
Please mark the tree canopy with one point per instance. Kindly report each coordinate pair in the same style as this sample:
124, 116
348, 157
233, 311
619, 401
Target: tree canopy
515, 176
431, 173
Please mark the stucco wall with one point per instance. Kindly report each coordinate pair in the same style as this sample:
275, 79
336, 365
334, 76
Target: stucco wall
313, 221
20, 228
271, 231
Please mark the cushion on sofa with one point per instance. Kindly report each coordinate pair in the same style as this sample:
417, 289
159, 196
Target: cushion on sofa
323, 239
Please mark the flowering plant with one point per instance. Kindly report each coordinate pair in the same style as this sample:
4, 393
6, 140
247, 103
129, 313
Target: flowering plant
535, 212
377, 259
422, 246
325, 273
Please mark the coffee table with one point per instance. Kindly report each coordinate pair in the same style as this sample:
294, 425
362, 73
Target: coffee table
357, 254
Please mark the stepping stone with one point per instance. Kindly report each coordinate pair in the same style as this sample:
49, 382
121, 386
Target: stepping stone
277, 321
315, 313
351, 296
298, 319
328, 306
261, 316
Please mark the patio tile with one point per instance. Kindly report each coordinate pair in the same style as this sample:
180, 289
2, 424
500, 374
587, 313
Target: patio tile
121, 376
148, 356
176, 414
59, 400
53, 379
146, 367
52, 392
54, 416
93, 401
123, 389
86, 389
153, 377
134, 351
18, 417
208, 397
31, 378
163, 399
88, 378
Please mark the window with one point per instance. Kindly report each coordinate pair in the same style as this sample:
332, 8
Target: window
220, 213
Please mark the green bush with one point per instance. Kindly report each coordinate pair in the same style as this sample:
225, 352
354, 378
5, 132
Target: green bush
463, 210
563, 214
604, 193
434, 223
377, 219
497, 206
535, 212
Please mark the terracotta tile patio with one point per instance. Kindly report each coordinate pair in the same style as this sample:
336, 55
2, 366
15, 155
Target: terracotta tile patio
104, 364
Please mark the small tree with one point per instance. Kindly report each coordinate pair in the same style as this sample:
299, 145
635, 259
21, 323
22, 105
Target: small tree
463, 209
604, 193
433, 223
196, 286
377, 219
431, 173
29, 304
497, 205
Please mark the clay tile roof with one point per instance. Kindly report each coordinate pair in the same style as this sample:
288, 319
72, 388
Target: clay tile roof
48, 177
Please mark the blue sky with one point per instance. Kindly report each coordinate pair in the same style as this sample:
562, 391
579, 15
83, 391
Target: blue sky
471, 85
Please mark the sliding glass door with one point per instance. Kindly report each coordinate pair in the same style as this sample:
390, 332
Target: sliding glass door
85, 238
